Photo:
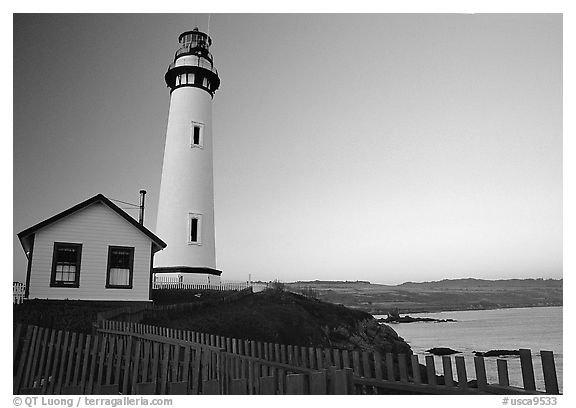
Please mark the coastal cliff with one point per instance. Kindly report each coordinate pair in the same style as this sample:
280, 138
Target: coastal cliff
286, 318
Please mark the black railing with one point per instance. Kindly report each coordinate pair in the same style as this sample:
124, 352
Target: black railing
199, 63
190, 50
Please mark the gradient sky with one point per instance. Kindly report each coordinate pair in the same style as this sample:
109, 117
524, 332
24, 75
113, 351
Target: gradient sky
380, 147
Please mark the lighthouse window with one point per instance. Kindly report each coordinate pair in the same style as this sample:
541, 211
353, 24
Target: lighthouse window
197, 136
194, 229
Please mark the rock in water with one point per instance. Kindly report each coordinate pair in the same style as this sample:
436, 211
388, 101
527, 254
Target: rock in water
497, 353
442, 351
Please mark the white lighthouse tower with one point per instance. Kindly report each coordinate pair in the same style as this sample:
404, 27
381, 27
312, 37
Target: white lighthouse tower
186, 205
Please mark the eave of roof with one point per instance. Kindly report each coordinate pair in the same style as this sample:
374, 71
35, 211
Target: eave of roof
23, 235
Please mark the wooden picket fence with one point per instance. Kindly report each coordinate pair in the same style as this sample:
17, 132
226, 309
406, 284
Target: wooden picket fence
113, 361
172, 283
132, 358
18, 291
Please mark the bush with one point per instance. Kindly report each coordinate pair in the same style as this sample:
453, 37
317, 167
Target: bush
71, 315
309, 292
277, 286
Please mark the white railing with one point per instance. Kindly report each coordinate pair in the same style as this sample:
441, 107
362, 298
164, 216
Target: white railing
18, 290
175, 283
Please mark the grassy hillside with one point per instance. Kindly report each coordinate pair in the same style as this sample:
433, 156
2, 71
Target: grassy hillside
73, 315
285, 318
456, 294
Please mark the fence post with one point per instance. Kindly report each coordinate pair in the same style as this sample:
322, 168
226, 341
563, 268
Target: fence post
356, 362
549, 369
73, 354
100, 367
39, 356
377, 365
480, 373
402, 368
527, 370
416, 369
447, 369
127, 359
93, 365
57, 375
89, 338
26, 346
296, 384
390, 367
431, 370
16, 341
341, 381
312, 359
461, 372
136, 367
319, 359
337, 353
267, 385
366, 365
318, 383
503, 372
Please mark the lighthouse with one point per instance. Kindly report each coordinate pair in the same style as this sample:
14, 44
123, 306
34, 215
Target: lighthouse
185, 218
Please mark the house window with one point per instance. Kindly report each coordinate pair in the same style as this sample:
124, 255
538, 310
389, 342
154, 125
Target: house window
197, 136
66, 265
195, 229
120, 267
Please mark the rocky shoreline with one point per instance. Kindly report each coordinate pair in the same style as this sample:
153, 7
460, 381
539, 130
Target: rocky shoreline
442, 351
446, 351
410, 319
395, 317
498, 353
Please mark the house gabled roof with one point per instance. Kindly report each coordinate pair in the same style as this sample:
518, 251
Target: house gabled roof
27, 235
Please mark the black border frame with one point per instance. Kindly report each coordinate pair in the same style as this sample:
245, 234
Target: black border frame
130, 280
59, 284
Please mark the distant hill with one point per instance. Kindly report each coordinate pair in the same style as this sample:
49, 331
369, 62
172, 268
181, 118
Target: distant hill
483, 283
447, 294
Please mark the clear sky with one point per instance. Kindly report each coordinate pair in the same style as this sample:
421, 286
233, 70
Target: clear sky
378, 147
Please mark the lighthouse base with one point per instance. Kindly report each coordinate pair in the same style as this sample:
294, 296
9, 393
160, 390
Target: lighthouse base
186, 274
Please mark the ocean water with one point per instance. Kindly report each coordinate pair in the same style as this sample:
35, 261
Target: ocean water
535, 328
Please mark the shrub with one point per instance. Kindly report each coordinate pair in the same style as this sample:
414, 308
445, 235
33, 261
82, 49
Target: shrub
277, 286
309, 292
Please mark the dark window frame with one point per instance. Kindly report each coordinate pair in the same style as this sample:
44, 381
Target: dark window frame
194, 224
191, 217
131, 273
65, 284
200, 133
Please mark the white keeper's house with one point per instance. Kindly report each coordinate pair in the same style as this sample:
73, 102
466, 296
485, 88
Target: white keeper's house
92, 251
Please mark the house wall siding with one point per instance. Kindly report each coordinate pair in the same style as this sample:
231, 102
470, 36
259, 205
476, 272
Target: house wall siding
95, 227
